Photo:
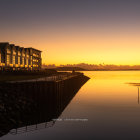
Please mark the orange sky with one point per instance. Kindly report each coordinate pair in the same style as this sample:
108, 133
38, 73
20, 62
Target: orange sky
59, 47
70, 33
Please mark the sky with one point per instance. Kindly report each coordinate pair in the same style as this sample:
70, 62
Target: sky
74, 31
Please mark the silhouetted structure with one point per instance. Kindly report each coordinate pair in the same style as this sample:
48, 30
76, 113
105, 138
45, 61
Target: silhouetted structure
35, 105
18, 58
138, 95
137, 85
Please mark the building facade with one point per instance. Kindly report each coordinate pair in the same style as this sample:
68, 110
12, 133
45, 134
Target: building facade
19, 58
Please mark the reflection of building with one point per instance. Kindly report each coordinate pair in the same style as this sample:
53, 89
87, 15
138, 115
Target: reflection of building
17, 58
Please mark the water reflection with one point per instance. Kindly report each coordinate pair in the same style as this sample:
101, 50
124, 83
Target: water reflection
137, 85
43, 110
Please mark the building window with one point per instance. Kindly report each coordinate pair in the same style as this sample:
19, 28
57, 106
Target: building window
27, 62
35, 55
23, 62
8, 50
8, 59
14, 59
19, 60
14, 52
23, 54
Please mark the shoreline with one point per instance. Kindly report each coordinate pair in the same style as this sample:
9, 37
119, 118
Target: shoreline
101, 70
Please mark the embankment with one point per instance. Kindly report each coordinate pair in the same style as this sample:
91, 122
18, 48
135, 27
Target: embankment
28, 103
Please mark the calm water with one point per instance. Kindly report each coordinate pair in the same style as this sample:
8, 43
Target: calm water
106, 106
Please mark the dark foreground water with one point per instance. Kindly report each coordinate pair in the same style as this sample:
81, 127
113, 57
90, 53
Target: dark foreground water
106, 107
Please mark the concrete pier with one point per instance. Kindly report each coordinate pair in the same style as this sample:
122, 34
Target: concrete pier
24, 104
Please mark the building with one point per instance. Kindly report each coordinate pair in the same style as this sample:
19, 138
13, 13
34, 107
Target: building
19, 58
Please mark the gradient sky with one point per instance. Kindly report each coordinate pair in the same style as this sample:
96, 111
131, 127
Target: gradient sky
74, 31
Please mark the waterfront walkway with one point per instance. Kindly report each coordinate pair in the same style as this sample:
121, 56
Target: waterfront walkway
49, 78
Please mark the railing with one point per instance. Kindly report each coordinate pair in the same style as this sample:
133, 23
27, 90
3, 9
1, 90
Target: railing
49, 78
30, 128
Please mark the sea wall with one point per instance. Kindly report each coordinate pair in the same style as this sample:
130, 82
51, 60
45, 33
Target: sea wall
27, 103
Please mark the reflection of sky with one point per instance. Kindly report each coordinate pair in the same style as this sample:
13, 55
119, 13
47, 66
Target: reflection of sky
88, 30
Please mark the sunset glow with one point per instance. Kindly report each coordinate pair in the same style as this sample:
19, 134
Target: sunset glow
101, 33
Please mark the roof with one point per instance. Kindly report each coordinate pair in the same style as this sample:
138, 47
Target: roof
34, 49
2, 44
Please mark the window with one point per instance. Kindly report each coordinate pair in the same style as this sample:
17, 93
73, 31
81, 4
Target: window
8, 50
14, 52
0, 58
35, 55
27, 62
19, 60
14, 59
8, 59
19, 53
23, 62
23, 54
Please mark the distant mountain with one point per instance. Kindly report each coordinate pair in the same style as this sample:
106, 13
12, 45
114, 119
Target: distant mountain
92, 67
69, 69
